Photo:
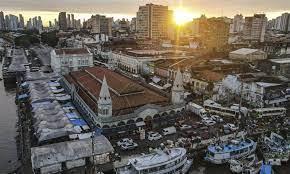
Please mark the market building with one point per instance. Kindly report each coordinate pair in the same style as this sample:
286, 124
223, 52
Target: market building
112, 101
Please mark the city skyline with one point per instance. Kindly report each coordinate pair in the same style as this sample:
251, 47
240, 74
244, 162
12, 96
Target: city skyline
84, 9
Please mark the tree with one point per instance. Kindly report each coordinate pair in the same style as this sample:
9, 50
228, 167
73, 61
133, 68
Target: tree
26, 40
49, 38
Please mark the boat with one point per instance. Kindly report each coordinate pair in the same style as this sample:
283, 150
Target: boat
275, 149
234, 149
160, 161
248, 164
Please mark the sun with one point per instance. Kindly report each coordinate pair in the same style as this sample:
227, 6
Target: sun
181, 16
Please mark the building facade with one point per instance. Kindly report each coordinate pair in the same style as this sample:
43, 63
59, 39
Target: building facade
152, 22
99, 24
247, 54
214, 33
62, 21
64, 61
2, 21
255, 28
115, 102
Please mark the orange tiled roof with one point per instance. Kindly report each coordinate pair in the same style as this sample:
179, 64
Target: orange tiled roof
210, 76
126, 94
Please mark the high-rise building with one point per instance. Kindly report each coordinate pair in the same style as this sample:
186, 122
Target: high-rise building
62, 21
255, 28
214, 33
2, 21
68, 21
78, 24
152, 22
29, 24
99, 24
106, 25
11, 22
133, 24
238, 23
21, 21
73, 22
285, 22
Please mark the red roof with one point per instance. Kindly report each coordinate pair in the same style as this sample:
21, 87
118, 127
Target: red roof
126, 94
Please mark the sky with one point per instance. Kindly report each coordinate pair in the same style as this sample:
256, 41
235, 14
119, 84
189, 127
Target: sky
49, 9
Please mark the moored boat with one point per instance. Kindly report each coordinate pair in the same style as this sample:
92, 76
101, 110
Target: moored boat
161, 161
275, 149
235, 149
248, 164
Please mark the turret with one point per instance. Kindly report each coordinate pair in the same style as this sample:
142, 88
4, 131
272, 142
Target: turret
105, 101
177, 93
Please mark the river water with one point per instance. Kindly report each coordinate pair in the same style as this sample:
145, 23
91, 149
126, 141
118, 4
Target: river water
8, 119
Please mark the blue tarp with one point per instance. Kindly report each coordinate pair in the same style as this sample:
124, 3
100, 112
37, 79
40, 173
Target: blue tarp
78, 122
23, 96
72, 115
24, 85
266, 169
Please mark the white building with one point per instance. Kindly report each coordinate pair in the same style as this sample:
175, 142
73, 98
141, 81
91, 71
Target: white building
254, 90
71, 59
247, 54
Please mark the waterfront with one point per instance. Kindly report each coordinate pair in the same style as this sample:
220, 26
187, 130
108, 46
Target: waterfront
8, 120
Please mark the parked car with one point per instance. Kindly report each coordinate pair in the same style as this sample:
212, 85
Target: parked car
217, 118
124, 140
129, 146
188, 133
184, 127
232, 127
208, 121
154, 136
205, 135
169, 130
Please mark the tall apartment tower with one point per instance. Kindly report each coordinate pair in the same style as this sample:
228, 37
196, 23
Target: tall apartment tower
62, 21
152, 22
73, 22
2, 21
214, 33
100, 24
68, 21
255, 28
21, 21
285, 23
238, 23
106, 25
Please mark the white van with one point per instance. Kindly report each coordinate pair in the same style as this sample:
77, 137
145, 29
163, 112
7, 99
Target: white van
169, 130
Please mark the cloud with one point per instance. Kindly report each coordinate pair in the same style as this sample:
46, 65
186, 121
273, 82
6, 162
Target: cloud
211, 7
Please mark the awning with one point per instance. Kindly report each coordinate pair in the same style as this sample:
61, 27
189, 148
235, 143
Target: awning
140, 124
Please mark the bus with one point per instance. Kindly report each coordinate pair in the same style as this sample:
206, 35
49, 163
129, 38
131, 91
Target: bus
269, 112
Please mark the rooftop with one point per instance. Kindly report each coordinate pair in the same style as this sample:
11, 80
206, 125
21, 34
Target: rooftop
209, 76
281, 61
126, 94
68, 151
244, 51
71, 51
